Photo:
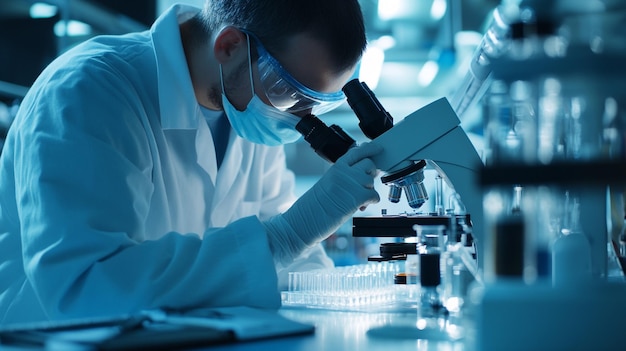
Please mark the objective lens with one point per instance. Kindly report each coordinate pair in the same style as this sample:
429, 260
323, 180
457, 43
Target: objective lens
416, 194
411, 179
394, 193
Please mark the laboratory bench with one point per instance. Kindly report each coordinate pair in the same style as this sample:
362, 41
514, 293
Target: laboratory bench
333, 330
510, 316
350, 330
243, 328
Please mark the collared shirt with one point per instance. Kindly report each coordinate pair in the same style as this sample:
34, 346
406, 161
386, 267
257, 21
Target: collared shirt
111, 200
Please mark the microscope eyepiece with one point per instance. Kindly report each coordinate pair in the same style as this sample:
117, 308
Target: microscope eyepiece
374, 119
328, 142
332, 142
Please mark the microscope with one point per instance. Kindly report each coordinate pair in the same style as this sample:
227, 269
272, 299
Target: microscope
429, 137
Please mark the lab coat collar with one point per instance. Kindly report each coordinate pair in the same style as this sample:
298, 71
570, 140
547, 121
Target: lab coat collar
178, 106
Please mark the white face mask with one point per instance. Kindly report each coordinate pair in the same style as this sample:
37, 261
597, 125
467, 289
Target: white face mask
260, 123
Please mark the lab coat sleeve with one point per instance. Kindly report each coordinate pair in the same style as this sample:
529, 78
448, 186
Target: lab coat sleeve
83, 187
279, 185
314, 257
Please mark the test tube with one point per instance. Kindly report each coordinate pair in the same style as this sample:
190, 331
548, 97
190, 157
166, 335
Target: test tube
340, 288
439, 208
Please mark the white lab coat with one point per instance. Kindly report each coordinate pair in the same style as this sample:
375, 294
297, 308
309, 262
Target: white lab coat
108, 183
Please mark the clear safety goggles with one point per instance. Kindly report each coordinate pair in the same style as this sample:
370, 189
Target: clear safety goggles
285, 92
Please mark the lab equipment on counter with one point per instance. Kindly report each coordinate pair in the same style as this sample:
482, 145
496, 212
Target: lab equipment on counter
555, 146
493, 45
430, 301
431, 137
554, 126
363, 287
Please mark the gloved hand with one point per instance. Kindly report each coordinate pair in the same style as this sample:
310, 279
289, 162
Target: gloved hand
347, 186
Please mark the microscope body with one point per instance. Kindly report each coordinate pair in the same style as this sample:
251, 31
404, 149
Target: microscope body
431, 136
433, 133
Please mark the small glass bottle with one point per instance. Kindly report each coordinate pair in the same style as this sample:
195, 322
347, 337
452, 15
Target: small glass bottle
621, 249
430, 303
571, 253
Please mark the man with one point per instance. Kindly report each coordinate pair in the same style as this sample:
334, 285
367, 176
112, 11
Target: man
147, 170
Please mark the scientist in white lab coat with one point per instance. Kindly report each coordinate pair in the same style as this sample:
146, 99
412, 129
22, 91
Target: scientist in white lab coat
147, 170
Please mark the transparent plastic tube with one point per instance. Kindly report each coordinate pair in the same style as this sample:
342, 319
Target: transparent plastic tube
343, 288
493, 44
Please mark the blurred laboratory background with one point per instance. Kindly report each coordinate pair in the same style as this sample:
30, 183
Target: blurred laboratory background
418, 51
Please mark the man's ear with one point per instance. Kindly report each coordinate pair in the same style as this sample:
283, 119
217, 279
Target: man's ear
230, 43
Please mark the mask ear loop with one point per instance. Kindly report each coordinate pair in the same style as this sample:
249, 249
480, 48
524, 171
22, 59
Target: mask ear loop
222, 80
250, 65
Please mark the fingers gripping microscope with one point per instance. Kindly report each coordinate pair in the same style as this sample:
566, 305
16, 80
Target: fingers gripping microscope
431, 136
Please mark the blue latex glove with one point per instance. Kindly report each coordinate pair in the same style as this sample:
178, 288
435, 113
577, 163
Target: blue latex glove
347, 186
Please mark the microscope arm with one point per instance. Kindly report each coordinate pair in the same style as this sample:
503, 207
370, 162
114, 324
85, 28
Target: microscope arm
414, 133
433, 133
453, 156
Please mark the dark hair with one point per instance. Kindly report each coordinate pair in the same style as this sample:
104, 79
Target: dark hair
338, 24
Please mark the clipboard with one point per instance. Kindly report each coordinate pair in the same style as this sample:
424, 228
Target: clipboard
156, 330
